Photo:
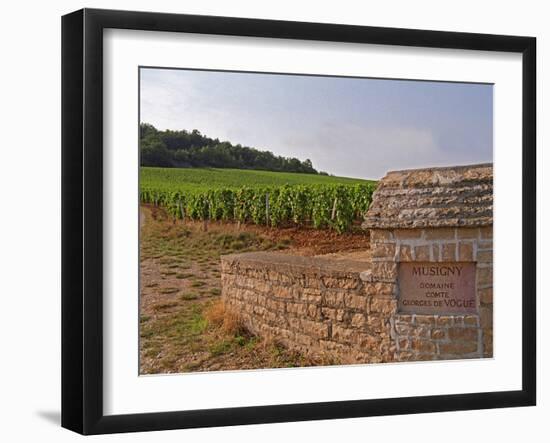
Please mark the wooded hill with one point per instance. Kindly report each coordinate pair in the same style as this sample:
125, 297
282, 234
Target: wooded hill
182, 149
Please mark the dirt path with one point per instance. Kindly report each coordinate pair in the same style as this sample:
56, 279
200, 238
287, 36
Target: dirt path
142, 217
180, 286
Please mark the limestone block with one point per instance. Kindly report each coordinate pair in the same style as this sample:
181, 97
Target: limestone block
465, 251
467, 233
407, 234
405, 253
380, 235
465, 334
484, 276
424, 346
486, 296
448, 252
458, 348
422, 253
440, 234
383, 250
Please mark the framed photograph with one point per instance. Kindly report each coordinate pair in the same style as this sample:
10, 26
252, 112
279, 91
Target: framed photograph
268, 221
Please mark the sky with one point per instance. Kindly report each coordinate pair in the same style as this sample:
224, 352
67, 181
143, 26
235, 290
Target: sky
353, 127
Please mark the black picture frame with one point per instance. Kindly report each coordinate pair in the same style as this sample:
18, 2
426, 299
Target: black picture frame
82, 215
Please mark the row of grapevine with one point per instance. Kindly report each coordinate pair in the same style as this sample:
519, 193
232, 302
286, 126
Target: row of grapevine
320, 206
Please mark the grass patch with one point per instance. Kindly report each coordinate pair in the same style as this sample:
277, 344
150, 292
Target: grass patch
198, 324
188, 296
151, 353
251, 343
246, 341
225, 319
168, 290
163, 306
220, 347
183, 275
166, 261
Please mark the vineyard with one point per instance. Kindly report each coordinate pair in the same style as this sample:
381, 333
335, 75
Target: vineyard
259, 197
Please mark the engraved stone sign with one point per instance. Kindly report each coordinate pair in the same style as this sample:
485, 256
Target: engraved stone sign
437, 288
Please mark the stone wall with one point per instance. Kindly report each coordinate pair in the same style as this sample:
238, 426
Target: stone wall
347, 311
353, 311
430, 337
318, 306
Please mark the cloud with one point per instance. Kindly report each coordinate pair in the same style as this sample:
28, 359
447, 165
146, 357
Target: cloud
172, 99
345, 128
368, 152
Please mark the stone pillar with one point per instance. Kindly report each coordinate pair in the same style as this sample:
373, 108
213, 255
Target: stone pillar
431, 279
426, 294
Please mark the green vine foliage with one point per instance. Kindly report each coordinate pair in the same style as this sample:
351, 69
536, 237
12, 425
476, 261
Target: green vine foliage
333, 207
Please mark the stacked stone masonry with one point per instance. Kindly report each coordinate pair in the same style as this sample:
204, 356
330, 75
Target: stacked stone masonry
317, 306
422, 337
434, 197
436, 215
347, 311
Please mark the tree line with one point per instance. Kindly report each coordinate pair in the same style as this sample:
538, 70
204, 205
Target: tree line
180, 149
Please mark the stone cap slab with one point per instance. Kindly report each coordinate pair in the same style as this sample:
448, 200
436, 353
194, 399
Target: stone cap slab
433, 197
288, 263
